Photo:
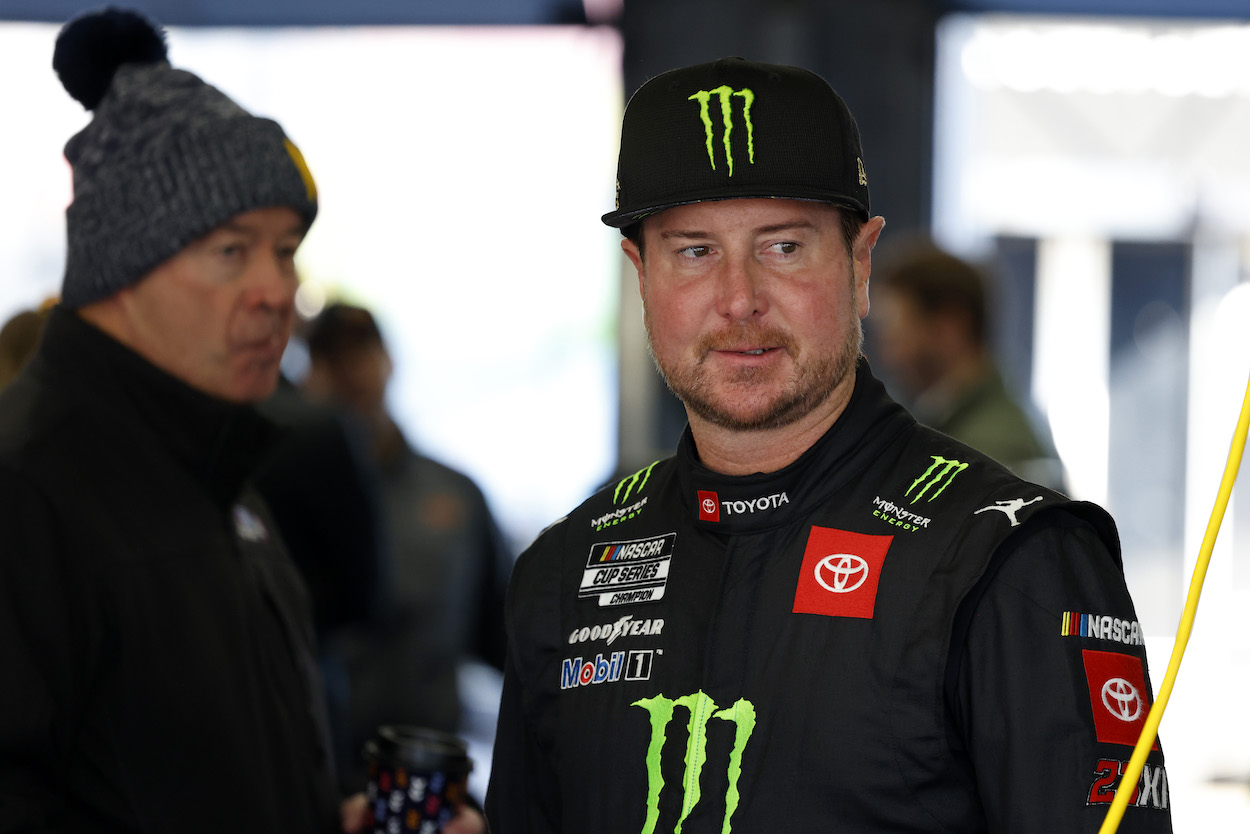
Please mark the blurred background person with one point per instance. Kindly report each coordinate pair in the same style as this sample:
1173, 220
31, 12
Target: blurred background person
323, 490
930, 338
443, 624
18, 339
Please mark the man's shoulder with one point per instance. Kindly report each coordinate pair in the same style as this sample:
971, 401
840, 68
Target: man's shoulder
925, 443
1027, 506
32, 417
933, 468
619, 506
53, 434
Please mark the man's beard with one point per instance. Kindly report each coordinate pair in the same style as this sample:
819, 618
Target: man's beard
812, 385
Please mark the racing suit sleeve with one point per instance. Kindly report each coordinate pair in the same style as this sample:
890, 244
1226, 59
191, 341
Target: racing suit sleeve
523, 796
41, 645
1052, 688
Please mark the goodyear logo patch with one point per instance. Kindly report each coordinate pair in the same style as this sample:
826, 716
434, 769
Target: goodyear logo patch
627, 572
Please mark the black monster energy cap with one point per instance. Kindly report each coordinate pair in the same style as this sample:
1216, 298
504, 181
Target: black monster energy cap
736, 129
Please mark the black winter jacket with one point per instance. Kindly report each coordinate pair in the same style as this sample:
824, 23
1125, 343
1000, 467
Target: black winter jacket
154, 637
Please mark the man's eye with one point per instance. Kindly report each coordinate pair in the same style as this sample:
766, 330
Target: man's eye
788, 247
695, 251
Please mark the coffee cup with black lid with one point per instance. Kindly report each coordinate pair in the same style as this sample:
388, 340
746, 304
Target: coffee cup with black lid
418, 778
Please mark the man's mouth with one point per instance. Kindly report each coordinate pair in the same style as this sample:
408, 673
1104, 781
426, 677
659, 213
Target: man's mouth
752, 342
271, 342
750, 351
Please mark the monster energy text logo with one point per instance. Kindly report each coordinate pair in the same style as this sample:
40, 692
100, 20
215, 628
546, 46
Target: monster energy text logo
937, 477
725, 95
702, 708
631, 486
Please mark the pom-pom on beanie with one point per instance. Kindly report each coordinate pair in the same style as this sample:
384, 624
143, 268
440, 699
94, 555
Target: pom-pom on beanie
165, 159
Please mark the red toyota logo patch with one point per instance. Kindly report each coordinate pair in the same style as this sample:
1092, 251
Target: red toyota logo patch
709, 506
840, 574
1117, 693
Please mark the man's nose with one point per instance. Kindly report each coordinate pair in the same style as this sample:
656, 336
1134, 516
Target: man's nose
742, 289
272, 282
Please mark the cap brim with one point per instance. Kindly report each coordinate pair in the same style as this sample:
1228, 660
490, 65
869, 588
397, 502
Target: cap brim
620, 219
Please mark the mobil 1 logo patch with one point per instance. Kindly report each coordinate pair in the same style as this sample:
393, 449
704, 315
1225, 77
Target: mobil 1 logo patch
627, 572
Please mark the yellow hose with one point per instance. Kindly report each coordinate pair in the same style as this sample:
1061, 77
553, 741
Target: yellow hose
1116, 812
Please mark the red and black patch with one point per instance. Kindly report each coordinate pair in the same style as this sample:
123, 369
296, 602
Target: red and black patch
709, 506
1151, 790
840, 574
1117, 695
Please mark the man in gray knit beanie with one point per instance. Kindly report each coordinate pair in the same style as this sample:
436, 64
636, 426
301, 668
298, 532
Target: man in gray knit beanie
155, 636
164, 173
166, 158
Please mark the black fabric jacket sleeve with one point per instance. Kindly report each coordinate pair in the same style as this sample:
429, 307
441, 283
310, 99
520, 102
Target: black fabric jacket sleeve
522, 796
1025, 705
42, 631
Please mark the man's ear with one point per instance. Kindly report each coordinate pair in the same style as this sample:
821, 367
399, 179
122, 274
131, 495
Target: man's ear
867, 238
861, 259
635, 257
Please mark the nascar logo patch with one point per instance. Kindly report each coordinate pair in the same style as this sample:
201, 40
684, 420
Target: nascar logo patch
625, 572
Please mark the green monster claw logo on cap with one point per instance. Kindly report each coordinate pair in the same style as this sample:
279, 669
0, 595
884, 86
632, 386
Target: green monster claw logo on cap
725, 94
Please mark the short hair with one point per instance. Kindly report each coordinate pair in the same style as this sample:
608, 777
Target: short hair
341, 328
937, 281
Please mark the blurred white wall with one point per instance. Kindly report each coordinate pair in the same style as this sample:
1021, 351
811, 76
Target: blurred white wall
1081, 134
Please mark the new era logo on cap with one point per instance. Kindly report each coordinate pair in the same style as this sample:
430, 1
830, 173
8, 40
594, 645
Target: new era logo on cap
841, 573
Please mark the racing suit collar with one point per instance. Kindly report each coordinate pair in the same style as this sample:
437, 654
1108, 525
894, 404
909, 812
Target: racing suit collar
759, 502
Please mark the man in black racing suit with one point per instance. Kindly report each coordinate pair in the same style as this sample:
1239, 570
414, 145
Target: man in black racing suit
818, 615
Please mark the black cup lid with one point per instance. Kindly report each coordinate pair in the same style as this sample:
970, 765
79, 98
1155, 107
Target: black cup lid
419, 748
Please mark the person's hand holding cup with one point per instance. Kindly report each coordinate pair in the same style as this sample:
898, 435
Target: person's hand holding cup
418, 782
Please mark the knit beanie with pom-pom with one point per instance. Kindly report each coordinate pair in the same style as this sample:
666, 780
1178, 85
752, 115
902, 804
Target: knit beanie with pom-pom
165, 159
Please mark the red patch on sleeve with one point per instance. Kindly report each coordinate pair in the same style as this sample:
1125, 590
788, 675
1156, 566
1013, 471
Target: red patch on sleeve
1118, 696
840, 574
